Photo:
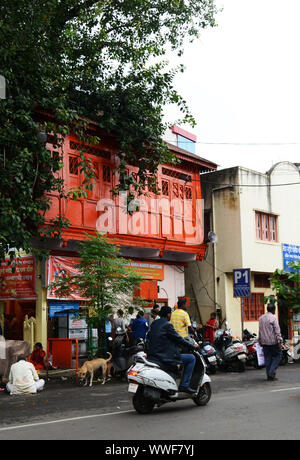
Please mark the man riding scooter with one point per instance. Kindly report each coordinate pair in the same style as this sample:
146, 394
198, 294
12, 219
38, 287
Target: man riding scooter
164, 345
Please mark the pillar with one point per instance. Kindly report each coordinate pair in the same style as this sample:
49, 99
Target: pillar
2, 310
41, 308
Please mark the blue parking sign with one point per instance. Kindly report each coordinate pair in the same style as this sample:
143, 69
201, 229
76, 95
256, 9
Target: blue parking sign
241, 282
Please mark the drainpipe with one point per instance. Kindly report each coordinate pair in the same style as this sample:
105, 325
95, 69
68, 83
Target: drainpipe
224, 187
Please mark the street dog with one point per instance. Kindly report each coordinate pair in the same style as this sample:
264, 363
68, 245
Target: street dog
89, 367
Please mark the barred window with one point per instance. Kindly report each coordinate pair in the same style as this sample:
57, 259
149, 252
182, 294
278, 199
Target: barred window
96, 170
175, 190
165, 187
90, 149
176, 174
254, 307
106, 173
262, 281
181, 192
188, 193
73, 165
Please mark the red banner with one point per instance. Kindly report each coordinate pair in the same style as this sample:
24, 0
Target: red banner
58, 268
19, 284
62, 266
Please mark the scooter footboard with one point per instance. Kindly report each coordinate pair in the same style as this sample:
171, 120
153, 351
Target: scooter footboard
199, 376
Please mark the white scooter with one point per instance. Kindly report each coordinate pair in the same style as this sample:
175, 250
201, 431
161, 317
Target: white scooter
153, 384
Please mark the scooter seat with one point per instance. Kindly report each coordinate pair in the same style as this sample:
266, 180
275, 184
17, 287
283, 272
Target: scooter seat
169, 369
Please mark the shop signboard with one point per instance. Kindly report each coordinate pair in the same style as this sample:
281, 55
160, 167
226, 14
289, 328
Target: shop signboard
18, 284
290, 253
148, 270
62, 308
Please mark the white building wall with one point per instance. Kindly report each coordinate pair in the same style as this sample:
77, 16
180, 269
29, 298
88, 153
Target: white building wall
234, 223
173, 285
262, 193
283, 201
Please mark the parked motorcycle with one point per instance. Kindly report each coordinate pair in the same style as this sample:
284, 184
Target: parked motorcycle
208, 352
231, 354
285, 353
123, 356
153, 384
250, 341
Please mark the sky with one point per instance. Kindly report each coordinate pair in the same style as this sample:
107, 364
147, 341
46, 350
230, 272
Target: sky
242, 85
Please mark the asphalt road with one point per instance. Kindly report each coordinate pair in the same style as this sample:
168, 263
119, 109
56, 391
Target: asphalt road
243, 407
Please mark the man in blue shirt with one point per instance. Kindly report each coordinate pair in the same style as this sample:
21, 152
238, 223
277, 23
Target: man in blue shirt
139, 326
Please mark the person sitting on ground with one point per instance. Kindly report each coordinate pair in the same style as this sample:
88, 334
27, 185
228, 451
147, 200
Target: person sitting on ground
37, 357
23, 378
164, 345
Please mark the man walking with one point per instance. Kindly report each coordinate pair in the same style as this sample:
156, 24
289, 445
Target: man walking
271, 340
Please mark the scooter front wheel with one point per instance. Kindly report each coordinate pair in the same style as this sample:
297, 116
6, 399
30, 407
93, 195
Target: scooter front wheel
141, 404
203, 395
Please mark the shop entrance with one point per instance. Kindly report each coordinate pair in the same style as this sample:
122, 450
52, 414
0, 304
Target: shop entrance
14, 315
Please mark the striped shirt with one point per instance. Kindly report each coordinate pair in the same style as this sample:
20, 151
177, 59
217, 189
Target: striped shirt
181, 322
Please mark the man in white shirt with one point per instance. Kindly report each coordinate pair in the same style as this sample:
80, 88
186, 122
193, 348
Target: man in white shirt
23, 378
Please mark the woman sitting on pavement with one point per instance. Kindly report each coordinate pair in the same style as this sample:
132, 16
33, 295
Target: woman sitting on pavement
37, 357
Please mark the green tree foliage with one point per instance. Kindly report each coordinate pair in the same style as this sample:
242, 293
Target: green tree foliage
82, 60
104, 279
286, 285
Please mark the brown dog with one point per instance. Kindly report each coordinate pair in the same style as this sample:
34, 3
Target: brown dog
89, 367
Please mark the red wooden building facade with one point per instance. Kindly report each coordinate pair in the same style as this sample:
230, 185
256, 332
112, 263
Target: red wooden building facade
165, 229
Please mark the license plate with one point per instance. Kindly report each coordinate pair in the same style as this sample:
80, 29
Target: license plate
242, 356
211, 359
132, 387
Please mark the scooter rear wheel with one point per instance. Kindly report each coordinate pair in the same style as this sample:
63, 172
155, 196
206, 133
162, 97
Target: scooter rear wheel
203, 395
141, 404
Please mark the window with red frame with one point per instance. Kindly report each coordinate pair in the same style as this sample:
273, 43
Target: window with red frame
73, 165
254, 307
266, 226
262, 280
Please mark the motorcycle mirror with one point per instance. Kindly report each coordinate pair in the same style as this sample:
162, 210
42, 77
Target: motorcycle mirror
226, 324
